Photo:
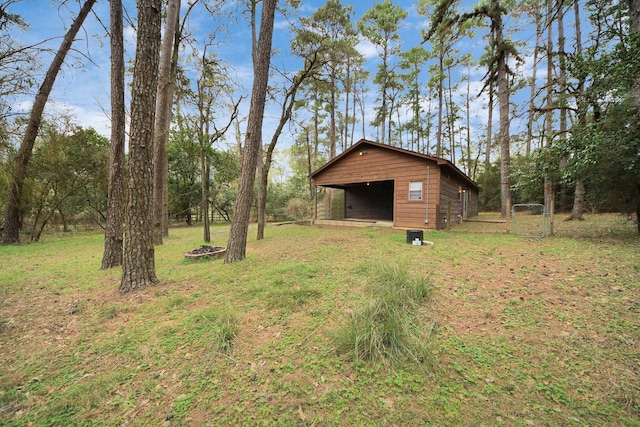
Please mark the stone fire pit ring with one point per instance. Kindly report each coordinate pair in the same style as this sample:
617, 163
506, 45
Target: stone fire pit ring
205, 251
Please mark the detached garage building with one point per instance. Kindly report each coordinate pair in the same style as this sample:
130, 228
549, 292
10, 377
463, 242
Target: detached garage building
386, 183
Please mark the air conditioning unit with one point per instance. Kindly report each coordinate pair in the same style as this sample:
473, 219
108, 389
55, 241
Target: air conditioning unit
414, 236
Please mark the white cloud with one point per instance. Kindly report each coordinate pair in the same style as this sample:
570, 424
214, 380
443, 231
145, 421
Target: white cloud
367, 49
83, 116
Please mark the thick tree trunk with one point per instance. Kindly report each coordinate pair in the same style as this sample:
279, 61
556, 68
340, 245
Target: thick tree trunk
263, 187
63, 218
487, 152
139, 258
505, 140
549, 197
562, 83
634, 26
113, 236
204, 200
174, 66
532, 88
163, 122
14, 194
581, 101
578, 202
237, 244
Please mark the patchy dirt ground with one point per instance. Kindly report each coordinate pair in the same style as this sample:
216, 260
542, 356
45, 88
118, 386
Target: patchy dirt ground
573, 294
524, 332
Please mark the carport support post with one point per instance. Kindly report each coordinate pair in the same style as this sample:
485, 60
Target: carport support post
315, 203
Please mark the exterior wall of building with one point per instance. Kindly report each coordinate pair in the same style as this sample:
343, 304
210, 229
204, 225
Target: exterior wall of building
450, 202
453, 191
413, 213
474, 202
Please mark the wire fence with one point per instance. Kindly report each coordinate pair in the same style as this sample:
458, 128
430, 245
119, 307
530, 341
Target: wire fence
593, 226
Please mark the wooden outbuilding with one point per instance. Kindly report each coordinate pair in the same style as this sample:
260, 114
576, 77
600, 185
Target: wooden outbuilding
381, 182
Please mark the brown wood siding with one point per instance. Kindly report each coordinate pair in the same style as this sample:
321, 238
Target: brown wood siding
449, 193
474, 203
434, 195
413, 213
377, 164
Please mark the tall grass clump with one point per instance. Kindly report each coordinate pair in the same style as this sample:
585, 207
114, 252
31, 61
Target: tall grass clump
225, 333
214, 330
386, 328
215, 327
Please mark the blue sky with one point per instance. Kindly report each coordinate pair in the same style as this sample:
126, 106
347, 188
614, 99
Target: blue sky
83, 85
82, 88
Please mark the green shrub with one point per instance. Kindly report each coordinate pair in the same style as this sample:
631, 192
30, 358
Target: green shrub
298, 208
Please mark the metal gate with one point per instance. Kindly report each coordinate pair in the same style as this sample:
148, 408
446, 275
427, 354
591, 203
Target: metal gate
529, 220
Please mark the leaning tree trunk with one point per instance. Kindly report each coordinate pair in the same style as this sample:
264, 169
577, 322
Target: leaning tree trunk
14, 194
285, 116
237, 244
263, 179
113, 239
163, 122
138, 268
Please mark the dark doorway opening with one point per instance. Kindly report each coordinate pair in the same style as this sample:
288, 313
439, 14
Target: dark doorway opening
369, 200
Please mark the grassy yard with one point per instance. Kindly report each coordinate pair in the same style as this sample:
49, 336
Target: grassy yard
516, 332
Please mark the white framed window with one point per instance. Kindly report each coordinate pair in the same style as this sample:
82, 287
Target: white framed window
415, 190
